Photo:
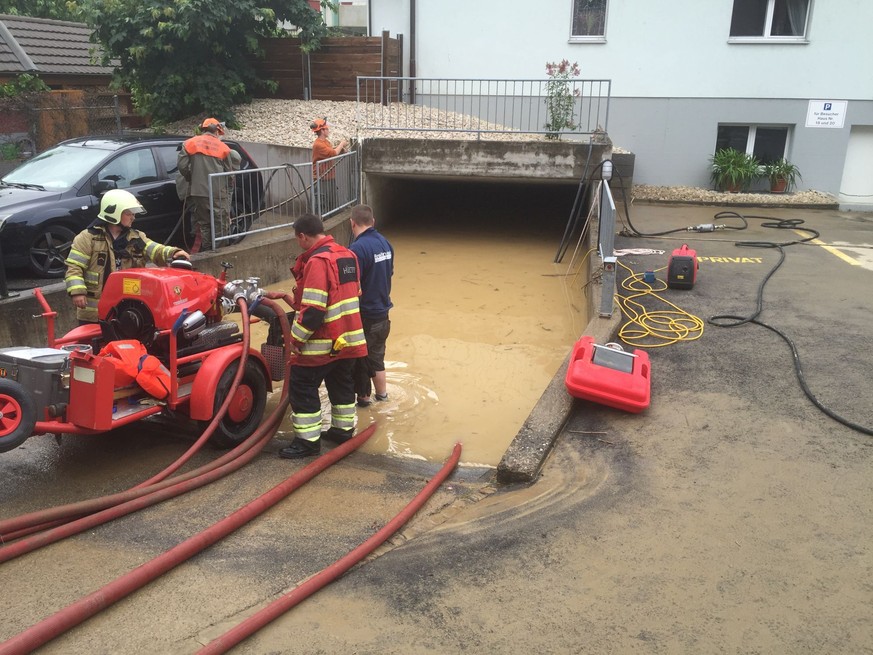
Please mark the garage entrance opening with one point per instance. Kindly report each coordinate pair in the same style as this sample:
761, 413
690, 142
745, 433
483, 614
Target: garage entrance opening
482, 318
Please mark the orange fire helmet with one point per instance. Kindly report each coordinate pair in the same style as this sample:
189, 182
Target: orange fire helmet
213, 122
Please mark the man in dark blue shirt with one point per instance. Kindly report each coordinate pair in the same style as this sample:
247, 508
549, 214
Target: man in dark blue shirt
376, 261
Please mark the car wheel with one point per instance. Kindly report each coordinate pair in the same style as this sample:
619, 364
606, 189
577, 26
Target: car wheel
49, 250
246, 409
239, 227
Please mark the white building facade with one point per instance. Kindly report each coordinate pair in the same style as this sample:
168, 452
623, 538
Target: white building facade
776, 78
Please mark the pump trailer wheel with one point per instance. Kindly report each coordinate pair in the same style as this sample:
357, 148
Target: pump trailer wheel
246, 409
17, 415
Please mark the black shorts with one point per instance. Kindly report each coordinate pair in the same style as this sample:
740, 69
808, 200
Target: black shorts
376, 333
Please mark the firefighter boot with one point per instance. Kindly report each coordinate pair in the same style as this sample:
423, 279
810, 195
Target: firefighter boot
337, 435
300, 448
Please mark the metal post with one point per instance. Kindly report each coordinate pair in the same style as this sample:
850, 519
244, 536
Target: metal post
211, 211
606, 238
117, 108
4, 290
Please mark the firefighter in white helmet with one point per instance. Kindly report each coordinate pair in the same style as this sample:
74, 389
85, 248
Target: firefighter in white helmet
110, 244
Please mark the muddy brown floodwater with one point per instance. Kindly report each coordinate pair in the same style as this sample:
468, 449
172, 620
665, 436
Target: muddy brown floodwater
481, 323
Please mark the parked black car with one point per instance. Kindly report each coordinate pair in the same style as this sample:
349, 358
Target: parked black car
49, 199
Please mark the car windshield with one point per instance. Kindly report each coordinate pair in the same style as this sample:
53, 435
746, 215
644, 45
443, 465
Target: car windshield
56, 169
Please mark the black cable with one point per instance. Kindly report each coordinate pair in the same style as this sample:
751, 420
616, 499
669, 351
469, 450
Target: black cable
730, 320
732, 214
800, 377
575, 211
635, 232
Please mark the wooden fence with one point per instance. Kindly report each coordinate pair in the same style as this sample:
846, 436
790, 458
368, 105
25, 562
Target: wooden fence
329, 73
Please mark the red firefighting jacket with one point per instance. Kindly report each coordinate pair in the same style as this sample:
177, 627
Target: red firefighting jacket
327, 325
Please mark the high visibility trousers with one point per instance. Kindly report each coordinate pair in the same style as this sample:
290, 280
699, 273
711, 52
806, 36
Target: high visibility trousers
305, 401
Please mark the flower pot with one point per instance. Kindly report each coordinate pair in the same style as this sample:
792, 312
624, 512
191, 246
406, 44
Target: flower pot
779, 185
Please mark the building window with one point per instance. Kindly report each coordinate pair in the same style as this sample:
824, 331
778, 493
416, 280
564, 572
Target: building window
770, 19
767, 143
589, 20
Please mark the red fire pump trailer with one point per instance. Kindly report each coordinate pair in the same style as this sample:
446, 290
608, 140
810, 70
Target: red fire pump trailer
177, 315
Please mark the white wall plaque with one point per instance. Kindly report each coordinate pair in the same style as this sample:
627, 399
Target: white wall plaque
826, 113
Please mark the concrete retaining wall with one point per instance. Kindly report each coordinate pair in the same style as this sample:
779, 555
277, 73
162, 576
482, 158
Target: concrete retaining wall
528, 160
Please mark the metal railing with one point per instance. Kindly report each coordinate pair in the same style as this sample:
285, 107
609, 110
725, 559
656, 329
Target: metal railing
263, 199
483, 106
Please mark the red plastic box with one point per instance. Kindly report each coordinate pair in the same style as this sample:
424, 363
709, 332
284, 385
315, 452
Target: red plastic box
609, 376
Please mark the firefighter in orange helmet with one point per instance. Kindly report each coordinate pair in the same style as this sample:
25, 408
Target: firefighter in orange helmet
199, 157
324, 175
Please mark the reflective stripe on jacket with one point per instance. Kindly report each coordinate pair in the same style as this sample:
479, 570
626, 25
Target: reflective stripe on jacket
328, 321
91, 259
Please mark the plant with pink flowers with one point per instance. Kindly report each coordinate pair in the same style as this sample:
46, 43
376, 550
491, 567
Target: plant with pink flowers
559, 98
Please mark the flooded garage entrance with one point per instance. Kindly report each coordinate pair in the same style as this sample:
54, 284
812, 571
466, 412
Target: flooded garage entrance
482, 318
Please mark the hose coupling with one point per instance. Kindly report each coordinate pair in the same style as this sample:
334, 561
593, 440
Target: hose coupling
243, 289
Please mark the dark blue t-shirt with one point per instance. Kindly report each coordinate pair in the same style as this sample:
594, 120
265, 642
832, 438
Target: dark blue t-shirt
376, 258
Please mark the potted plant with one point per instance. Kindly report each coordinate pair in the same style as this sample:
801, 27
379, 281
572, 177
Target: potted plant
733, 171
783, 175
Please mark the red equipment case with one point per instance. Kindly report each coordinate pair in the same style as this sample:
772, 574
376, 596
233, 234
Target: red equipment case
609, 376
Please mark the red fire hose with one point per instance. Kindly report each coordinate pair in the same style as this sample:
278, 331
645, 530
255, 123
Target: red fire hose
141, 498
17, 527
327, 575
20, 526
147, 498
225, 405
84, 608
207, 433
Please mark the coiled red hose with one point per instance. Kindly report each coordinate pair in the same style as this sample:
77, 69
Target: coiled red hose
88, 606
327, 575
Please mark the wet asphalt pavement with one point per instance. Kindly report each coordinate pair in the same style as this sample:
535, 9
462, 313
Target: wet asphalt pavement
730, 516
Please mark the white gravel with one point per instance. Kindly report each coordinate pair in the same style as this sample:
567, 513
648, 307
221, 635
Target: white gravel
696, 195
286, 122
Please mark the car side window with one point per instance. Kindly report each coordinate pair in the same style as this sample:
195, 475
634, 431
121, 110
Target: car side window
169, 155
130, 169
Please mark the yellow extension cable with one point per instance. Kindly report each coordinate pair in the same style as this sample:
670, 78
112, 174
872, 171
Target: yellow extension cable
647, 329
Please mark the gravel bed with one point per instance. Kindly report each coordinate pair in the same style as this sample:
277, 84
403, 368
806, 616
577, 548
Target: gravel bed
286, 122
699, 196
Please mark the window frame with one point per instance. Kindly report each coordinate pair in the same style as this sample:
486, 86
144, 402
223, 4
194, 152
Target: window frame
585, 38
140, 154
753, 134
766, 38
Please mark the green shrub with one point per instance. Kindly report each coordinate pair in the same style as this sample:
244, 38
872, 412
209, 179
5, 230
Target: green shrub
9, 151
732, 170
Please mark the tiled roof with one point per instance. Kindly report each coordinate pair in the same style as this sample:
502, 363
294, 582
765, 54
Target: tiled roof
44, 46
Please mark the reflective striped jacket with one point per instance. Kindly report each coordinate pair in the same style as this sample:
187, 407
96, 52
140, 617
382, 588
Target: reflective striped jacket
91, 260
328, 321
